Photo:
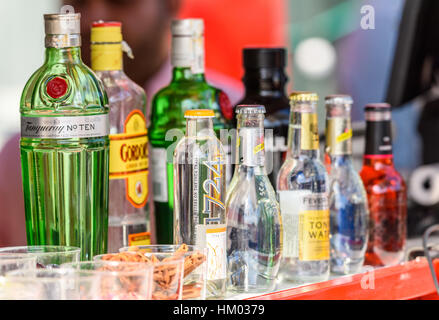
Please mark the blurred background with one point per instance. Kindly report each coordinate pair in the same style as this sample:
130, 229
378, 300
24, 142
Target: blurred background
334, 46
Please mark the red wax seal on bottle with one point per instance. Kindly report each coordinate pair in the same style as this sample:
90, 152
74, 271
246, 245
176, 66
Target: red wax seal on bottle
56, 87
225, 105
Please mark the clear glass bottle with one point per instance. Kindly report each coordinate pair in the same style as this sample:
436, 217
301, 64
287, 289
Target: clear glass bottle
254, 229
128, 203
349, 213
187, 90
64, 146
199, 193
386, 190
302, 187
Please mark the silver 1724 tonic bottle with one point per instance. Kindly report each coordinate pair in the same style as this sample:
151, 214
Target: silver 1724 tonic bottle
199, 184
254, 232
64, 146
302, 186
128, 204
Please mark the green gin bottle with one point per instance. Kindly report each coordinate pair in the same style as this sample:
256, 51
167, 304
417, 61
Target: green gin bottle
64, 146
187, 90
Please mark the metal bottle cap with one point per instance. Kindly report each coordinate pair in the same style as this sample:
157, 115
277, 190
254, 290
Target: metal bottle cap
304, 96
339, 99
62, 30
250, 109
187, 27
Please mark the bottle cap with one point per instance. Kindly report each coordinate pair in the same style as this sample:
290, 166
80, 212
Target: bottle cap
103, 31
304, 96
199, 113
339, 99
255, 58
62, 30
250, 109
62, 23
380, 106
187, 27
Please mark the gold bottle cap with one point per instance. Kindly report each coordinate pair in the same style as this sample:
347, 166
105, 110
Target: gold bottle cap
62, 30
106, 31
304, 96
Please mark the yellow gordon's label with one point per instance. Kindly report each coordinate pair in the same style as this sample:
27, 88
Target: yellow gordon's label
129, 158
106, 56
258, 148
310, 132
338, 136
139, 239
314, 231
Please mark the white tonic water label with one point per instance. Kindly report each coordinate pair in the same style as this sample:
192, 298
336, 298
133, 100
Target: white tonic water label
159, 174
290, 205
65, 127
214, 238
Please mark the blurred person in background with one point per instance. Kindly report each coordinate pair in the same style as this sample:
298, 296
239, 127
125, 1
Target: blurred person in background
146, 28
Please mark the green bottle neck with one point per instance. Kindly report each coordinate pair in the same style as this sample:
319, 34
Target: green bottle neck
63, 55
185, 74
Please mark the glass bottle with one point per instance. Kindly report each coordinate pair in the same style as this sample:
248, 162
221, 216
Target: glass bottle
386, 190
128, 195
254, 232
199, 184
349, 213
302, 187
187, 90
265, 80
64, 146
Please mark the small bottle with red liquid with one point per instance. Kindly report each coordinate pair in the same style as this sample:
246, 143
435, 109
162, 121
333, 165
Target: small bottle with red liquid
386, 190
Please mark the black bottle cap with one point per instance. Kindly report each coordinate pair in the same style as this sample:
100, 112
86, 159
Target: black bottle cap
254, 58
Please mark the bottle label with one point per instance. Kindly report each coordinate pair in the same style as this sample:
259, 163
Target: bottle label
129, 158
65, 127
252, 146
378, 137
214, 237
338, 136
106, 56
139, 239
159, 174
314, 228
289, 201
309, 139
187, 51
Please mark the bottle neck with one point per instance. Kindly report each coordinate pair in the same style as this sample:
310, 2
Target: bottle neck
378, 137
265, 82
186, 74
188, 52
338, 130
63, 55
251, 140
106, 56
303, 134
199, 127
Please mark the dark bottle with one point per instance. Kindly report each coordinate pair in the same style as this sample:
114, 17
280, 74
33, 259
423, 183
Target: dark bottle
386, 190
264, 82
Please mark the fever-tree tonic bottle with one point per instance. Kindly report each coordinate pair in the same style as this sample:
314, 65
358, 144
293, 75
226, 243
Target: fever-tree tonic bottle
347, 198
199, 184
64, 146
302, 187
187, 90
254, 232
128, 207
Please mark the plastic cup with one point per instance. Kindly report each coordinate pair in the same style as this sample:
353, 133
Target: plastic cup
47, 256
49, 284
167, 275
194, 270
118, 280
15, 261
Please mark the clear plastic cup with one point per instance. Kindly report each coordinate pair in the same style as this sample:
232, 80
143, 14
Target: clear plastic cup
167, 274
118, 280
195, 265
47, 256
49, 284
15, 261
